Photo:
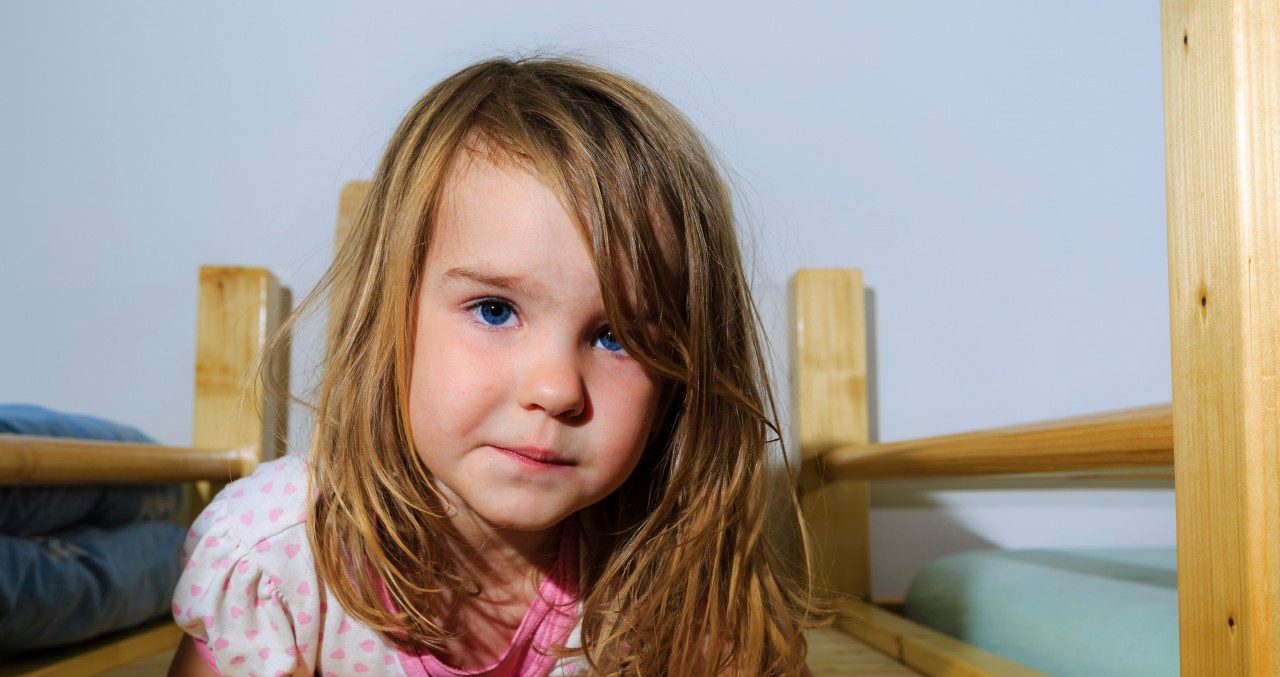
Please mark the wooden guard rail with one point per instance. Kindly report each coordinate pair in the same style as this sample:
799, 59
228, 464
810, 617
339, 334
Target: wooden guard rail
46, 460
1126, 439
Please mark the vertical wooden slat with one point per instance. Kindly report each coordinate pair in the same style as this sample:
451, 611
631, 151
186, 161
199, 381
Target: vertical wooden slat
350, 202
1222, 123
239, 310
829, 372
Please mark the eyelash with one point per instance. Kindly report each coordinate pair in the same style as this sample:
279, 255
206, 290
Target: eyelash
475, 305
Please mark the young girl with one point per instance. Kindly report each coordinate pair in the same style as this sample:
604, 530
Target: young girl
541, 432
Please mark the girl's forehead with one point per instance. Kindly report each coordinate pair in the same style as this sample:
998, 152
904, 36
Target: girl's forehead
487, 204
501, 224
497, 212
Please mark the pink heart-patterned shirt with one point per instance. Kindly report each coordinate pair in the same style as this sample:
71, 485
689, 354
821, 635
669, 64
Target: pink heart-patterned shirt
250, 597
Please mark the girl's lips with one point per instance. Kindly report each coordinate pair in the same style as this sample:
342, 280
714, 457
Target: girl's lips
545, 462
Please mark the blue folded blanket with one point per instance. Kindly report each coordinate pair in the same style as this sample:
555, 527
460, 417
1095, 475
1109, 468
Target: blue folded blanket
35, 510
84, 582
77, 561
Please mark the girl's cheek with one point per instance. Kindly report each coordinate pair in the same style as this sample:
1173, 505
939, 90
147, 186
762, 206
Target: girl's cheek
475, 365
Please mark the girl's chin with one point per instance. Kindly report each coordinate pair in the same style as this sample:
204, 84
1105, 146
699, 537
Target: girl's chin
524, 523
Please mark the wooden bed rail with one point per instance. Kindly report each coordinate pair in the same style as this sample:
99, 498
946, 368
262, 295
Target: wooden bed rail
1141, 437
922, 648
49, 460
1220, 64
237, 423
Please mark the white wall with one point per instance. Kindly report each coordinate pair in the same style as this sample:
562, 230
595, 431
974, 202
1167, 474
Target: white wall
996, 169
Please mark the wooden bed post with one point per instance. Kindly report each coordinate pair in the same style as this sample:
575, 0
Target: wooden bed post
239, 310
350, 201
829, 390
1222, 139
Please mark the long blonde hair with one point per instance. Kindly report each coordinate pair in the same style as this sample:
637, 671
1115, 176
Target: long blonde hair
679, 560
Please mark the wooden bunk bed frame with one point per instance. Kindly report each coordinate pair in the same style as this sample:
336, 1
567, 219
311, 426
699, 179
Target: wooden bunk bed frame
1220, 436
239, 309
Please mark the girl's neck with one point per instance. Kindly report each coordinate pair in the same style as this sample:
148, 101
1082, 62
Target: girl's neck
496, 557
503, 557
509, 567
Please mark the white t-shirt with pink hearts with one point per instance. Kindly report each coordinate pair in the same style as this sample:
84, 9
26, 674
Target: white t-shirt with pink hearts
250, 597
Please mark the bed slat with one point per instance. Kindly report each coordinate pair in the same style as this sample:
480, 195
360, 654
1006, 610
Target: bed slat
829, 372
239, 310
26, 459
924, 649
1141, 437
1222, 150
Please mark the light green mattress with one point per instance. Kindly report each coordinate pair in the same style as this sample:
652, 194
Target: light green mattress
1091, 613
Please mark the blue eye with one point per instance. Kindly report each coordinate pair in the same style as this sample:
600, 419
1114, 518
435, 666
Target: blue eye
610, 344
493, 313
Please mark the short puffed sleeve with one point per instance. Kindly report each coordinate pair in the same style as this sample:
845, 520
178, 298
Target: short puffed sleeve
245, 596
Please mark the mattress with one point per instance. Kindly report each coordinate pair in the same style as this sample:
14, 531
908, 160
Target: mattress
1091, 612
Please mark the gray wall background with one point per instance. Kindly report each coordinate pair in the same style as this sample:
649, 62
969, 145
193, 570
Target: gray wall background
995, 168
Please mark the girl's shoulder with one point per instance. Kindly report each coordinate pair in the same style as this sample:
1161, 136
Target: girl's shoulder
255, 523
248, 593
271, 500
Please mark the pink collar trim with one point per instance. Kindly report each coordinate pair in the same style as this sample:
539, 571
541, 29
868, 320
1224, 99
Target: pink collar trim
547, 624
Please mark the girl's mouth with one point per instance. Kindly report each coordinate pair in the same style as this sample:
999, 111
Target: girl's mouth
535, 459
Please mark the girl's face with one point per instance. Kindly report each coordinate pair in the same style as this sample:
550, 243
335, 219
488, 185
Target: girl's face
522, 404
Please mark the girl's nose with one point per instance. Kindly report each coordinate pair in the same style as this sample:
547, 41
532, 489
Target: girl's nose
552, 382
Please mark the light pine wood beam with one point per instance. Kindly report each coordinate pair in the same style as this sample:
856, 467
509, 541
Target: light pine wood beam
1222, 123
829, 372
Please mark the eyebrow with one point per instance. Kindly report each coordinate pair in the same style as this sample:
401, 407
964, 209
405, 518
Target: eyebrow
512, 283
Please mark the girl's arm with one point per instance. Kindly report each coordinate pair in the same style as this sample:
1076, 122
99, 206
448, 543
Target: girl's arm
187, 662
